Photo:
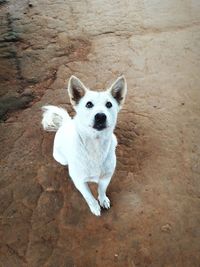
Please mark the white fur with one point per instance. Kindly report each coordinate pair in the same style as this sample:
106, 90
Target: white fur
89, 153
53, 118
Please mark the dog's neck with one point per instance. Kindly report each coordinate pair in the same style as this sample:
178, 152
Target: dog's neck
92, 136
97, 137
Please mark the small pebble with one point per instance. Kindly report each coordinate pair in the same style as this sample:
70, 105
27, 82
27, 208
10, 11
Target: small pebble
166, 228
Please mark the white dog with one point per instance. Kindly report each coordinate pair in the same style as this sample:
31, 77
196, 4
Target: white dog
86, 143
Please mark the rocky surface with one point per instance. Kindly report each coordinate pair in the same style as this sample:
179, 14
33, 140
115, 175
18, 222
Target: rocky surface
155, 217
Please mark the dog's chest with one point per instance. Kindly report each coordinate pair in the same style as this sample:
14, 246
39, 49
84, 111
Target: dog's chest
93, 156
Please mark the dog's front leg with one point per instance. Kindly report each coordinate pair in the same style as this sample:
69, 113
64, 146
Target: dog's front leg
103, 184
91, 201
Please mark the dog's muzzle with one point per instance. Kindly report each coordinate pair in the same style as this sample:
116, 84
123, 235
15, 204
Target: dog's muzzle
99, 121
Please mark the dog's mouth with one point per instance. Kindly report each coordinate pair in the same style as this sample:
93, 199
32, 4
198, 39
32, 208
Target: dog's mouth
99, 126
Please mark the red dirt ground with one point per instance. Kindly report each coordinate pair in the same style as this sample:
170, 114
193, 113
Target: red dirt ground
154, 220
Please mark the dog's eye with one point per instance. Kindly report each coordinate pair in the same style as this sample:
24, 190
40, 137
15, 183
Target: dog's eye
89, 104
108, 104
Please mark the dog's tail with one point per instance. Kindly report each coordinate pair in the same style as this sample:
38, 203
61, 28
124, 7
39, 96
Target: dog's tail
53, 118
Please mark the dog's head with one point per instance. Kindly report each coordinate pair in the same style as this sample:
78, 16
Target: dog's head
97, 111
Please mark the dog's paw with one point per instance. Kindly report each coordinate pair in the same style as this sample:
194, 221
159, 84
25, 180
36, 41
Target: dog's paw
95, 208
104, 202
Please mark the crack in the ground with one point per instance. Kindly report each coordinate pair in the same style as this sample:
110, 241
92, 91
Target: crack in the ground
145, 31
31, 228
13, 251
14, 38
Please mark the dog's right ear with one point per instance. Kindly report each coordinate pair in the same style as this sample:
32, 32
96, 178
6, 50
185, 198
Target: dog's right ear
76, 90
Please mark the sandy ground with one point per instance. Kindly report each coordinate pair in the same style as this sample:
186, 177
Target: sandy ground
154, 220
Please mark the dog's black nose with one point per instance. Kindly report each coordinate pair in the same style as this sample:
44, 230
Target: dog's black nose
100, 118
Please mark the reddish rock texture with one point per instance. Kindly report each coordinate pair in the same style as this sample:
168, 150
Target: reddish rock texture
154, 220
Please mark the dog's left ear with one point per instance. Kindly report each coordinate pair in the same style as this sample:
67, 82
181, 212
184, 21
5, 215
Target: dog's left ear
118, 90
76, 90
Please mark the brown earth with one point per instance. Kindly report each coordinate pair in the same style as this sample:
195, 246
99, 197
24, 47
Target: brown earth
154, 220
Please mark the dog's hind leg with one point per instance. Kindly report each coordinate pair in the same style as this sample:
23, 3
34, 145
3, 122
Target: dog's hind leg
103, 184
89, 198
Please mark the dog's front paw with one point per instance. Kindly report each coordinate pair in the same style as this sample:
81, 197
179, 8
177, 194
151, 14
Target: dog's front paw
104, 202
95, 208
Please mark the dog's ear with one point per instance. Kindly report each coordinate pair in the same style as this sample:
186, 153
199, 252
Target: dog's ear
76, 90
118, 90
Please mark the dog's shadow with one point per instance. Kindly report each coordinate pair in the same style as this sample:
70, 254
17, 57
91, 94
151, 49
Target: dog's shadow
132, 151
